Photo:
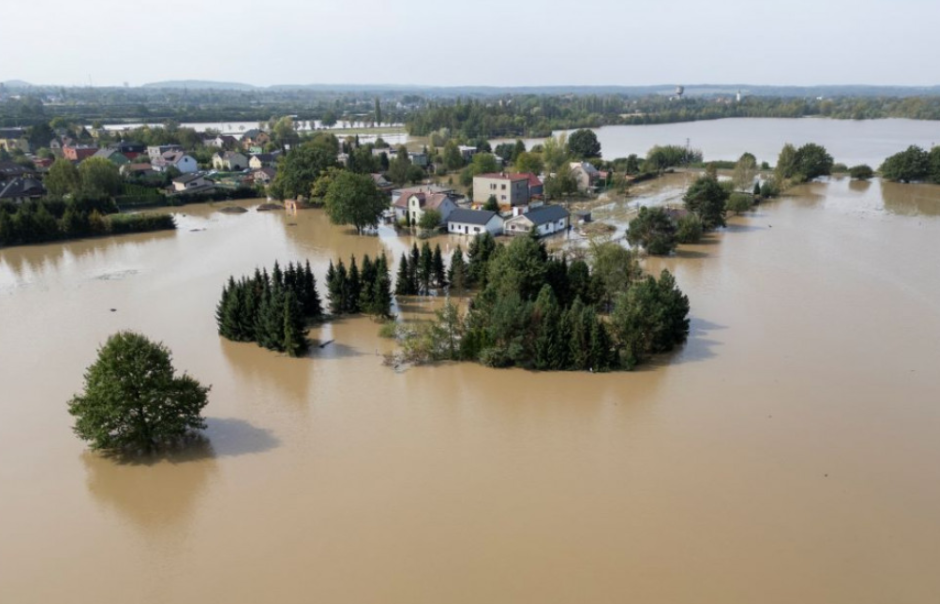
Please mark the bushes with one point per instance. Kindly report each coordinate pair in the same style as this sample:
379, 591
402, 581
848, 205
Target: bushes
121, 224
861, 172
913, 165
653, 229
739, 203
689, 229
53, 220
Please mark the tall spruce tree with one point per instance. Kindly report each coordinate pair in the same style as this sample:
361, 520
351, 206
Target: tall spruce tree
353, 288
425, 270
403, 281
367, 277
337, 289
438, 269
294, 340
313, 309
457, 273
382, 296
413, 263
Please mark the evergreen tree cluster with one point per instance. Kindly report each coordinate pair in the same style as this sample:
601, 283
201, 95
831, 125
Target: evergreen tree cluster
271, 310
367, 290
540, 312
421, 272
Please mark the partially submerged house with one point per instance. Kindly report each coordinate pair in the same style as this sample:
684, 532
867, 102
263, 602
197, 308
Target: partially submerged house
416, 204
545, 220
474, 222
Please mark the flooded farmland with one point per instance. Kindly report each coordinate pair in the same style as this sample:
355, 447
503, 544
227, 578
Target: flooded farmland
787, 453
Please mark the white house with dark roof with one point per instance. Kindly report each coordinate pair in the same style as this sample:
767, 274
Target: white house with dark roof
175, 159
545, 220
474, 222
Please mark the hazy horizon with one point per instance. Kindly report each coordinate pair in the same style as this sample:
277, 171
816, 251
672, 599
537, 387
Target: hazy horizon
487, 44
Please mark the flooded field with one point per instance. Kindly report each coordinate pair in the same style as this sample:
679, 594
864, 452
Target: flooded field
848, 141
787, 453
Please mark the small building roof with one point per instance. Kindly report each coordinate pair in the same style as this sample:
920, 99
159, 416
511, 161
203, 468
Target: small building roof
545, 214
476, 217
185, 178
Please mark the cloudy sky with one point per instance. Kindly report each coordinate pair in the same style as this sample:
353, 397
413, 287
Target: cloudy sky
476, 42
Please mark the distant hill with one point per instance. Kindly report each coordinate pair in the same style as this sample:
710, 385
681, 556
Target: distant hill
200, 85
16, 84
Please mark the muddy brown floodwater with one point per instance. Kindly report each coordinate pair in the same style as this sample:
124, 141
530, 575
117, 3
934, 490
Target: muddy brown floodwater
787, 453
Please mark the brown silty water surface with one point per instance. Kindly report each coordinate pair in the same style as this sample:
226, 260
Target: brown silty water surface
787, 453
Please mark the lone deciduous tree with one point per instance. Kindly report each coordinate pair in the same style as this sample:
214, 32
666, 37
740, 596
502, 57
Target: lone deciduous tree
133, 401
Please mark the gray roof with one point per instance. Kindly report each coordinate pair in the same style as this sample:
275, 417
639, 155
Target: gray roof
22, 187
546, 214
480, 217
187, 178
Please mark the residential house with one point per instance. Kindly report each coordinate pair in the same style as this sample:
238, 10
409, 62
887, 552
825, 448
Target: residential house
229, 161
158, 151
418, 203
21, 190
586, 175
175, 159
222, 141
474, 222
255, 138
263, 160
510, 190
536, 188
264, 176
191, 183
130, 149
382, 183
400, 197
112, 155
77, 153
545, 220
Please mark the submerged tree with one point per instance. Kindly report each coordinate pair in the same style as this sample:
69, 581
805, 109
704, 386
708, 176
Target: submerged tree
133, 401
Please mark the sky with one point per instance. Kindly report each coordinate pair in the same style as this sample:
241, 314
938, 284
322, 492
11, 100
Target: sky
474, 42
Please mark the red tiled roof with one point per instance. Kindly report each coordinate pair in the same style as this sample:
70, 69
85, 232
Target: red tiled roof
533, 179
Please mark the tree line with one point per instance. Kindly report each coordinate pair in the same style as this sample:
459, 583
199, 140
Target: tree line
353, 290
541, 312
421, 272
271, 310
55, 219
913, 165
